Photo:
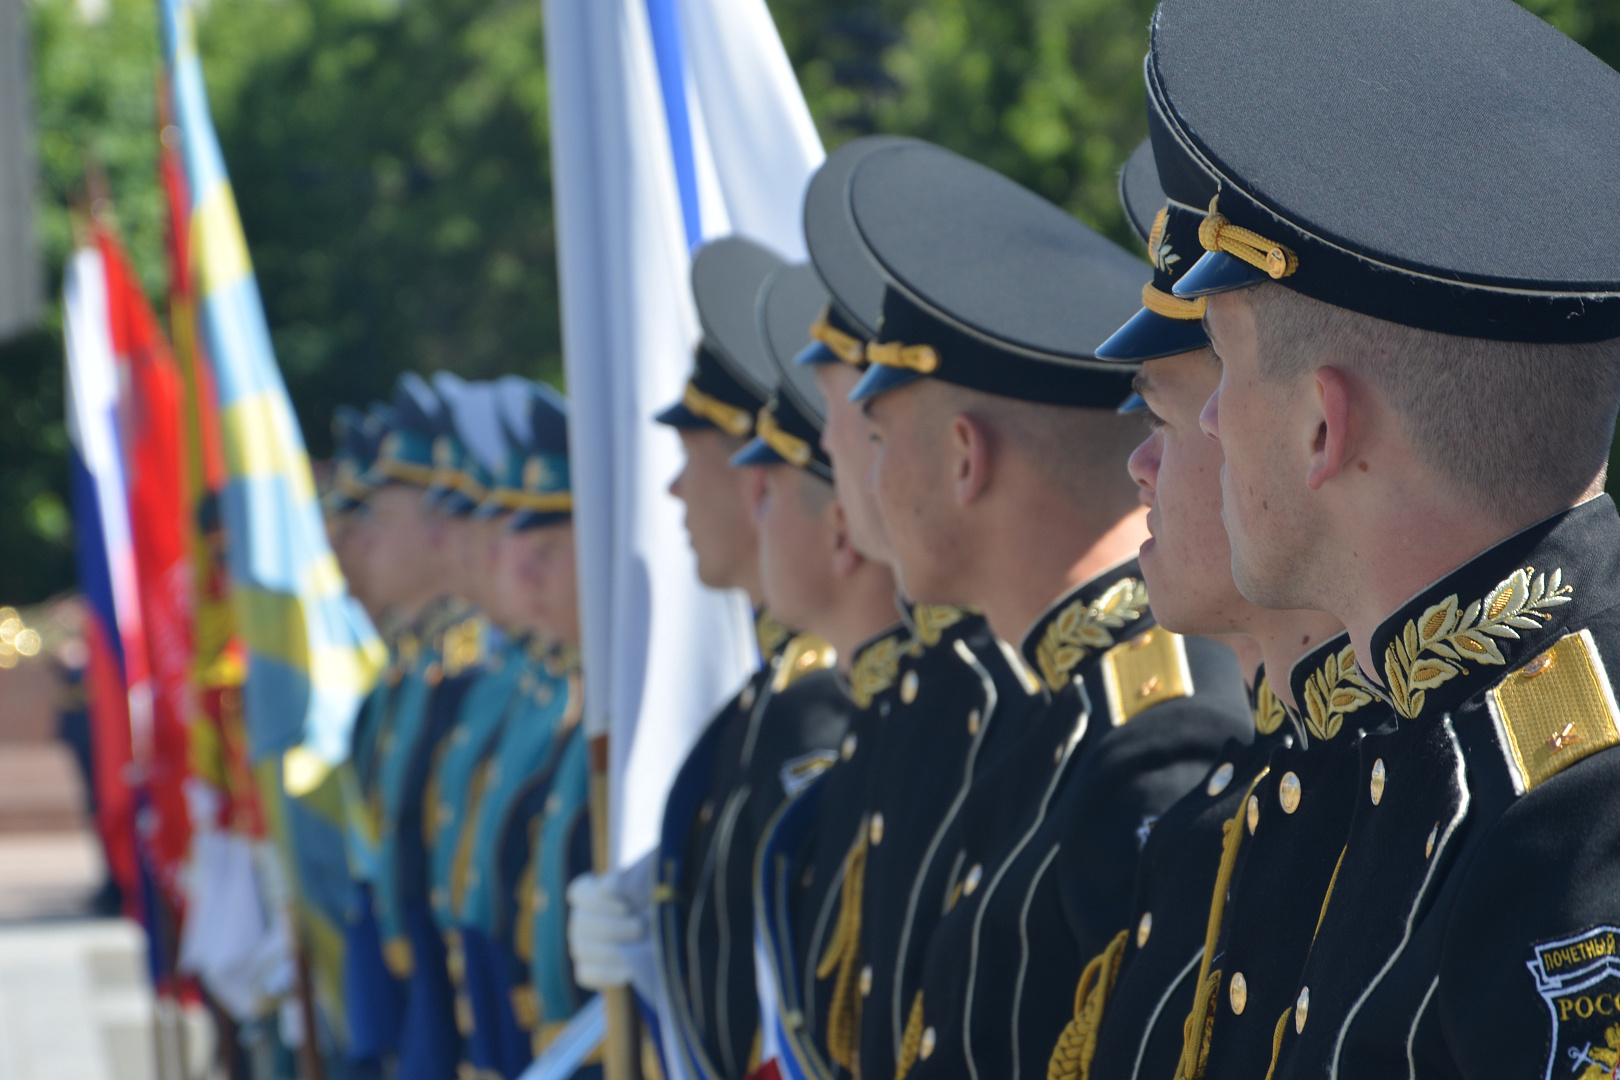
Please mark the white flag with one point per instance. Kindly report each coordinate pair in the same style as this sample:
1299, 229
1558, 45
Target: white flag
672, 122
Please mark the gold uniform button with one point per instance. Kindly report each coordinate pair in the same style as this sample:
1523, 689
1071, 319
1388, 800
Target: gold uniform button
1288, 792
1057, 754
973, 722
925, 1049
875, 830
706, 813
1144, 928
746, 698
846, 749
1220, 778
974, 876
1301, 1007
1254, 813
1428, 845
1238, 992
866, 981
908, 688
1376, 785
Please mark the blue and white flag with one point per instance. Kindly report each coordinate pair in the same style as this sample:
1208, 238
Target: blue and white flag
673, 122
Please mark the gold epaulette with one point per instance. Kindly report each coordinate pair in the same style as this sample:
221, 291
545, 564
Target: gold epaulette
464, 645
802, 656
1148, 669
1554, 711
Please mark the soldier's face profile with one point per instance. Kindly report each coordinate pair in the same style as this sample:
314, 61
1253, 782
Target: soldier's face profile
537, 575
1186, 560
911, 476
1253, 418
719, 502
397, 536
847, 438
796, 544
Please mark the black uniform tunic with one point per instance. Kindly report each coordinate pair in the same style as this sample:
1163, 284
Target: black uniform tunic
1132, 717
787, 721
1472, 927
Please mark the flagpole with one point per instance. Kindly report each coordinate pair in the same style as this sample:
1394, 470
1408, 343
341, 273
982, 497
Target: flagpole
621, 1049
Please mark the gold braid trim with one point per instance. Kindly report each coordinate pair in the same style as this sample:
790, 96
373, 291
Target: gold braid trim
723, 415
1218, 234
851, 350
794, 450
911, 1041
843, 955
1071, 1060
1173, 307
1276, 1040
919, 358
1332, 881
1201, 1021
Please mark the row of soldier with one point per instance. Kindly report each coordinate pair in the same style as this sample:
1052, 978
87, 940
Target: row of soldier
1340, 801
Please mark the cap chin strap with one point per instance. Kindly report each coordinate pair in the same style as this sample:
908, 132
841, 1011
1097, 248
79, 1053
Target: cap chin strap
728, 418
1218, 234
849, 349
919, 358
794, 450
1173, 307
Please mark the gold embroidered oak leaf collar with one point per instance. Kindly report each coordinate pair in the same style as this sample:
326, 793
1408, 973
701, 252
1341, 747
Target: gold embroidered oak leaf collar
1269, 711
771, 634
1088, 619
1475, 626
1329, 688
877, 664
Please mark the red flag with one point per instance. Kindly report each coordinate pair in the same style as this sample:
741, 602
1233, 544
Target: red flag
219, 739
150, 426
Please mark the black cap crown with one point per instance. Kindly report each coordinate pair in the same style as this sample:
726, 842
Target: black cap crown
988, 285
731, 376
1449, 165
790, 425
1167, 324
836, 251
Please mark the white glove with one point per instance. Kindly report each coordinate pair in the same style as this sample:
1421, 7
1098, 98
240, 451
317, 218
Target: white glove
601, 925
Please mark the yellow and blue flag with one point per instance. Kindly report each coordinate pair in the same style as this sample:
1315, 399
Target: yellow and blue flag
312, 652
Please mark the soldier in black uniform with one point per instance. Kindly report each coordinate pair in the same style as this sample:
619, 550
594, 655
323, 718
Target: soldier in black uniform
1133, 999
1001, 475
847, 972
789, 717
1413, 282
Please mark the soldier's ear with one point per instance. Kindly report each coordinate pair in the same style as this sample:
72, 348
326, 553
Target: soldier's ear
1330, 422
969, 458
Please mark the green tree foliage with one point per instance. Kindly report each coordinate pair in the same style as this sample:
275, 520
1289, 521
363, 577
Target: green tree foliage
391, 166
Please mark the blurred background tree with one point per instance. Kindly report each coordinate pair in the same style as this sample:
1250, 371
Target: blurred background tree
391, 165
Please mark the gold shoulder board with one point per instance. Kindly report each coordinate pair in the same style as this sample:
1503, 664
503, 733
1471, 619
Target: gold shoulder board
1554, 711
806, 653
1148, 669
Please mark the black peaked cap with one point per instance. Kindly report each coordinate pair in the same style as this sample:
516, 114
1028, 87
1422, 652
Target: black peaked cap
1449, 165
1139, 190
789, 429
989, 286
731, 376
1167, 325
836, 249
